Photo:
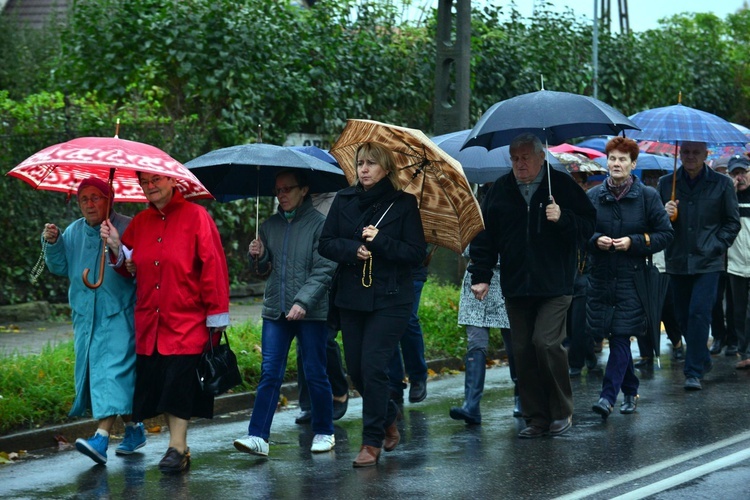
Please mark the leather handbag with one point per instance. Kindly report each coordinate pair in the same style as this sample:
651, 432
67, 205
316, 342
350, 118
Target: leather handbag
217, 369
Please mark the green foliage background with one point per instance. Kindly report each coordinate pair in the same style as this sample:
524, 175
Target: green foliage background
190, 77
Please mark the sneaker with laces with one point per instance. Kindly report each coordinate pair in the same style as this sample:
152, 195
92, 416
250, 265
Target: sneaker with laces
135, 438
94, 447
253, 445
174, 462
322, 443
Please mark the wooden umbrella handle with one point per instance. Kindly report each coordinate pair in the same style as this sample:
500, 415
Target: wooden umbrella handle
86, 271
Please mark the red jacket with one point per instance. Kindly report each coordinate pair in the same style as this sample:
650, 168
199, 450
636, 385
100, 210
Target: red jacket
181, 277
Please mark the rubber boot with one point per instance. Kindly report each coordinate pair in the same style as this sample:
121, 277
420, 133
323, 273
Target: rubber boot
473, 389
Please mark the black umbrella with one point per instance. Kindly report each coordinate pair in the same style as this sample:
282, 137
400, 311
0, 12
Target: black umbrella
249, 170
651, 287
552, 116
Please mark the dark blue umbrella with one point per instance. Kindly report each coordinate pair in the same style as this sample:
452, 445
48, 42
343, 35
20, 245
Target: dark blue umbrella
480, 165
554, 117
680, 123
249, 170
320, 154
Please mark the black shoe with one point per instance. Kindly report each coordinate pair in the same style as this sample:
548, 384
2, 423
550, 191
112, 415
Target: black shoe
644, 363
417, 391
592, 364
692, 384
629, 405
716, 347
175, 462
305, 417
397, 396
339, 408
731, 350
603, 408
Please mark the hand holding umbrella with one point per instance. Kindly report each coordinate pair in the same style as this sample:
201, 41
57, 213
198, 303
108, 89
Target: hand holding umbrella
553, 210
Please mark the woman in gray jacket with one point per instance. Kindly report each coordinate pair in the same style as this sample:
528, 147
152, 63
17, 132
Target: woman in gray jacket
294, 305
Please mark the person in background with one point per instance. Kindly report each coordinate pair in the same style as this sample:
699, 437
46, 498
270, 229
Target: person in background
479, 316
103, 330
630, 225
375, 233
294, 307
534, 229
408, 358
738, 257
182, 301
334, 365
705, 227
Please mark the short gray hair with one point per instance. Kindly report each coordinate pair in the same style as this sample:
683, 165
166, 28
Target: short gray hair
527, 138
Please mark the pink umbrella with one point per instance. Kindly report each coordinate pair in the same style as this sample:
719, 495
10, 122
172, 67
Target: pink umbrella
591, 154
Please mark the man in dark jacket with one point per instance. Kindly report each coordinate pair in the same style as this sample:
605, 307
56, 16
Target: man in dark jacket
706, 225
535, 232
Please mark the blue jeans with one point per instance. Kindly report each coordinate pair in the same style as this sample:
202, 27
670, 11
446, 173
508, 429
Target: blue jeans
694, 297
276, 340
412, 349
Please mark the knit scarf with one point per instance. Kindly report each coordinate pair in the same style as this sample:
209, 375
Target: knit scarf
618, 191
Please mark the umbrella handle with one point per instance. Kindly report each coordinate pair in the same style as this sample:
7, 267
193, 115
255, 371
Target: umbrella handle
86, 271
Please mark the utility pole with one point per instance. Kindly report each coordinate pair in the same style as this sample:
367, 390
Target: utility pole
452, 70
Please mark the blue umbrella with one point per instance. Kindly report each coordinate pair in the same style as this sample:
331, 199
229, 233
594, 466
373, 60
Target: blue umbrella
479, 164
646, 161
320, 154
680, 123
597, 143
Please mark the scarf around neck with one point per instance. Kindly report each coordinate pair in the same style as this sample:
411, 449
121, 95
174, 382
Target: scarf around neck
618, 191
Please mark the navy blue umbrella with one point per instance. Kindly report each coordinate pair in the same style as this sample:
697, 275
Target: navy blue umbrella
554, 117
249, 170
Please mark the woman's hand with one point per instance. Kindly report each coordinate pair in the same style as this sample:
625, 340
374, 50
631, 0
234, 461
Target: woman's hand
50, 233
296, 313
256, 249
621, 244
369, 233
604, 243
363, 253
130, 266
480, 290
109, 234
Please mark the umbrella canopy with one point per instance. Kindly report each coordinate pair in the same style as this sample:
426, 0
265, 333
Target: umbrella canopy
651, 288
577, 162
449, 211
249, 170
320, 154
480, 165
63, 166
570, 148
683, 123
595, 143
552, 116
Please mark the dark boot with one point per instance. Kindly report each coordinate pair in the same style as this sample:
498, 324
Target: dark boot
473, 389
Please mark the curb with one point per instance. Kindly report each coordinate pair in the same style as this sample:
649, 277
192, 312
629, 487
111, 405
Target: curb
48, 437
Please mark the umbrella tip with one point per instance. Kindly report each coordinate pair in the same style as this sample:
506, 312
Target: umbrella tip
260, 133
679, 97
117, 129
541, 77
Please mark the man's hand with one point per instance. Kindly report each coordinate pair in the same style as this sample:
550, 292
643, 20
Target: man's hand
553, 210
480, 290
256, 249
671, 207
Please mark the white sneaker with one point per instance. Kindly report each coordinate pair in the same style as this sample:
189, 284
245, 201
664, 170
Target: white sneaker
322, 443
253, 445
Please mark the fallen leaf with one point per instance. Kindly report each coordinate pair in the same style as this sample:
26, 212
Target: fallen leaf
154, 429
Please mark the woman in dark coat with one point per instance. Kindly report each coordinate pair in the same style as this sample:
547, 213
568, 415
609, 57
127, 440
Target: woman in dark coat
631, 224
374, 231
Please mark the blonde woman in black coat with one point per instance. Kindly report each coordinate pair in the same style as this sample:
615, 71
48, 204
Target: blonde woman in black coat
631, 224
373, 230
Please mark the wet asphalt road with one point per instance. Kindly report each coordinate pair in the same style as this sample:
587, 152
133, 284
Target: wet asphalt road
678, 445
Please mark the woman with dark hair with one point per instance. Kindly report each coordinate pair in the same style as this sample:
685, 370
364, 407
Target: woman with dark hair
374, 232
294, 306
631, 224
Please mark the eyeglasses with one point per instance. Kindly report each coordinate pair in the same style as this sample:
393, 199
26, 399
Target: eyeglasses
284, 190
153, 180
94, 199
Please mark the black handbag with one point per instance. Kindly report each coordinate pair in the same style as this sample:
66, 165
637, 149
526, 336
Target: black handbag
217, 369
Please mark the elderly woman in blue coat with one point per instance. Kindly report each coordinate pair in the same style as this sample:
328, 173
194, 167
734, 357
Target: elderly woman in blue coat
103, 324
631, 224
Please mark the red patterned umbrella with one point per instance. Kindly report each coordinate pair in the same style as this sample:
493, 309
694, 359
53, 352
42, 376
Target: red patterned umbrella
63, 166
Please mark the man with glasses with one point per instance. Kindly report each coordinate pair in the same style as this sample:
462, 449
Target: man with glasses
104, 336
706, 221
